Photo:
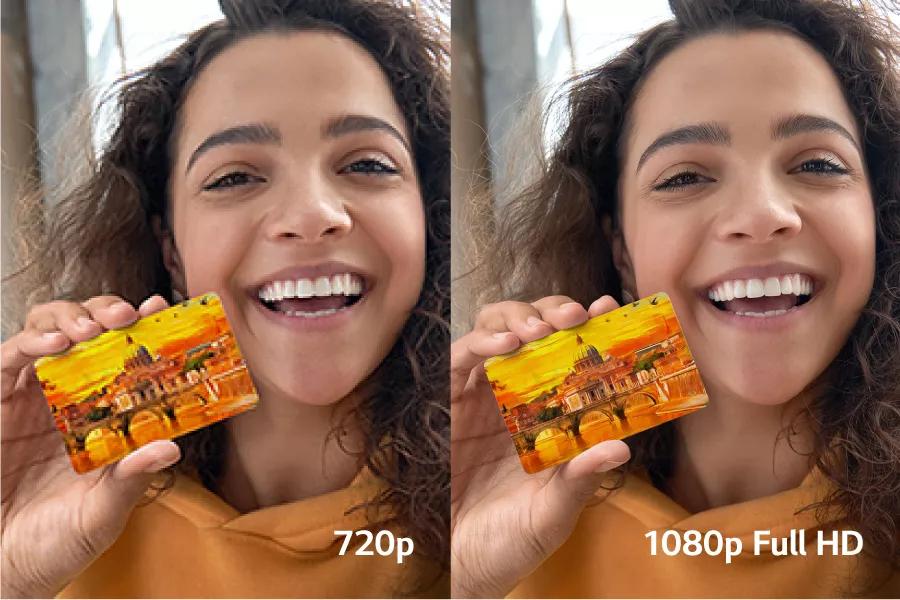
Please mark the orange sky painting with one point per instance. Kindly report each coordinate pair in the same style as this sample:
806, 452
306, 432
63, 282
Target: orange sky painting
90, 365
540, 365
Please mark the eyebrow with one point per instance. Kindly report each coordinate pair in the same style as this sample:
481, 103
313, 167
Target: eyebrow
701, 133
264, 133
254, 133
354, 123
797, 124
715, 133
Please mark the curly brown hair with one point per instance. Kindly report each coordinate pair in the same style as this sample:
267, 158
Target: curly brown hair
94, 236
526, 250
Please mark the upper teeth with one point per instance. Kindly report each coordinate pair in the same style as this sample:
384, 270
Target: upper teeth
795, 283
345, 284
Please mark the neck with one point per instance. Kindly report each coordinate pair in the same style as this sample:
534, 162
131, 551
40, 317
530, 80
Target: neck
281, 452
733, 451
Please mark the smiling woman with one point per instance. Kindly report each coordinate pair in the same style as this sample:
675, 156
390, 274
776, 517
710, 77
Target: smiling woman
743, 158
293, 159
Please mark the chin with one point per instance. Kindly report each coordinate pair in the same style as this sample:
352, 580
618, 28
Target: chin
308, 387
767, 384
325, 392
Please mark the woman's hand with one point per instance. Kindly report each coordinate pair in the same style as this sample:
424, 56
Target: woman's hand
504, 522
56, 522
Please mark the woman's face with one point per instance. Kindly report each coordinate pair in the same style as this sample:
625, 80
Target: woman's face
743, 176
295, 198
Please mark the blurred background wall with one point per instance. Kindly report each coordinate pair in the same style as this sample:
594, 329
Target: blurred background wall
16, 114
508, 58
58, 56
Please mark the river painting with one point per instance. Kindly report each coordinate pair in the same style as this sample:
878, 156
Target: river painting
168, 374
620, 373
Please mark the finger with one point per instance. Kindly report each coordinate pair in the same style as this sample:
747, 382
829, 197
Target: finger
153, 304
60, 315
521, 318
146, 460
23, 349
560, 501
111, 311
561, 312
125, 482
576, 482
69, 317
602, 305
471, 350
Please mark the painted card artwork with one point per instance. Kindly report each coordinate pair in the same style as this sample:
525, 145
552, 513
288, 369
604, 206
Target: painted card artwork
618, 374
168, 374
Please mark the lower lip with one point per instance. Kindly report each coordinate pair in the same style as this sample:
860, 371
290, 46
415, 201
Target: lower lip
762, 324
312, 324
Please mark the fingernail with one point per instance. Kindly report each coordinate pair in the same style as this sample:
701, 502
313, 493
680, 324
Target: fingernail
167, 460
51, 335
501, 335
158, 465
610, 464
84, 322
570, 304
534, 322
119, 304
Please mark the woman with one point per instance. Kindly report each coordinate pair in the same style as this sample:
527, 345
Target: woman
740, 142
293, 140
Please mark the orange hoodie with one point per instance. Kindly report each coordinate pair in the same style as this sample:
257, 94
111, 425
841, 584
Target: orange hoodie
191, 543
608, 554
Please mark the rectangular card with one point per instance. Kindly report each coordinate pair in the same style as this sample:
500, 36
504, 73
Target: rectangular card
616, 375
170, 373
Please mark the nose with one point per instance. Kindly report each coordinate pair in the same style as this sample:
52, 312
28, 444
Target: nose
759, 212
309, 213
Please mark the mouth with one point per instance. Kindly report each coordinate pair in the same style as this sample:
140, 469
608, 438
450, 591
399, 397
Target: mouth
315, 297
765, 298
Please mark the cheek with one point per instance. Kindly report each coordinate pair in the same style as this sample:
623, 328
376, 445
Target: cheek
849, 230
400, 233
211, 248
662, 246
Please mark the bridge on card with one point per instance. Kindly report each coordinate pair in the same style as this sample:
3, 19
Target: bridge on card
612, 408
189, 405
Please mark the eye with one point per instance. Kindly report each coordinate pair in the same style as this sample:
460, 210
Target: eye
370, 166
233, 179
682, 180
821, 166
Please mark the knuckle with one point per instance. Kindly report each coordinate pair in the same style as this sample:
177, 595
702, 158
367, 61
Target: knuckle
492, 313
41, 314
485, 311
69, 309
39, 310
556, 300
98, 302
34, 312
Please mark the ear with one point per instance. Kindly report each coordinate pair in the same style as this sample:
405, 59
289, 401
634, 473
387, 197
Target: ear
171, 258
621, 258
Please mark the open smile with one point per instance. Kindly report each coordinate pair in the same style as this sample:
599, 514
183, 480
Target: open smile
773, 300
312, 298
762, 298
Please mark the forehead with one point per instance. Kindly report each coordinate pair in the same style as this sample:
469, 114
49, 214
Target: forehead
744, 80
296, 79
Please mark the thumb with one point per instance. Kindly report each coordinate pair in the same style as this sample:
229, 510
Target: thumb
575, 483
131, 476
110, 502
